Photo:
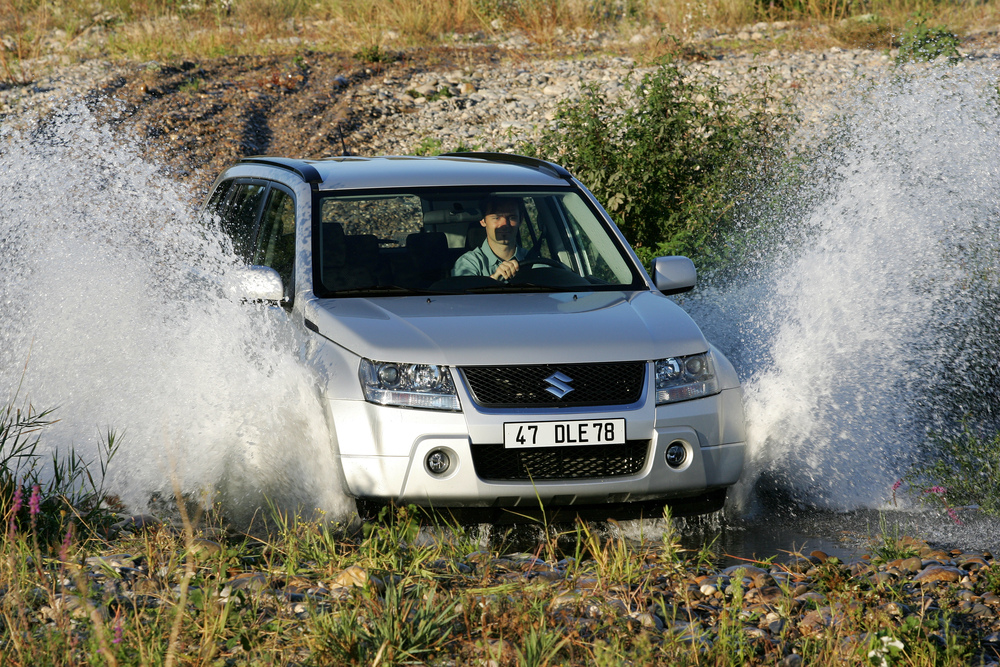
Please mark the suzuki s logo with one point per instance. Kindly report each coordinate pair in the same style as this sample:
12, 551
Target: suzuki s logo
560, 384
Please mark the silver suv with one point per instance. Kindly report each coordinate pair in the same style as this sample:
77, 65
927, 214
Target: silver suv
486, 341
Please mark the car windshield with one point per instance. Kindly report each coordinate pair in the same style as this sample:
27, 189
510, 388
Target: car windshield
452, 241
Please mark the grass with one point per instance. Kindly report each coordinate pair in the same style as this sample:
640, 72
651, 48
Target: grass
312, 592
34, 30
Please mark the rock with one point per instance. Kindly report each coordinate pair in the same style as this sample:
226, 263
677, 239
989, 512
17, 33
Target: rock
73, 605
203, 548
648, 620
820, 619
248, 581
747, 571
939, 573
811, 596
355, 576
135, 523
565, 599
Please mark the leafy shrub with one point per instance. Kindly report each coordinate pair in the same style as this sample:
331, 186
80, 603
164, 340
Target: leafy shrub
44, 499
921, 43
673, 158
868, 31
375, 54
960, 470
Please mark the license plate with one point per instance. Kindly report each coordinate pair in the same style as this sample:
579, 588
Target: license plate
564, 434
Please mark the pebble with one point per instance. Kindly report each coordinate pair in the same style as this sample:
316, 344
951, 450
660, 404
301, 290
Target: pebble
517, 99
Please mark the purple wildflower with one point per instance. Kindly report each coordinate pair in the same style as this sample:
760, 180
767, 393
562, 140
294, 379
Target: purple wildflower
896, 486
119, 630
954, 516
35, 502
18, 501
64, 547
940, 490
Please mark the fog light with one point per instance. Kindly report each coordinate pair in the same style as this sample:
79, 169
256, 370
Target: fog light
676, 454
438, 462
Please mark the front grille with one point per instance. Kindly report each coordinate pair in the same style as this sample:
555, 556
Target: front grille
618, 383
494, 462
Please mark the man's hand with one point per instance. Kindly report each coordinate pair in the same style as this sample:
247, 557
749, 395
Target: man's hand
506, 270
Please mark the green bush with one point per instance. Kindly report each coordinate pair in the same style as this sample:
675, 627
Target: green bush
673, 158
41, 499
959, 470
921, 43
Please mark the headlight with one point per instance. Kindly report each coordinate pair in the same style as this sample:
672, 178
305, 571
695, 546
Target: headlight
683, 378
409, 385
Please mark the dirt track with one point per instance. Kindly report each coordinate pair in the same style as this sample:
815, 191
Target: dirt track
199, 117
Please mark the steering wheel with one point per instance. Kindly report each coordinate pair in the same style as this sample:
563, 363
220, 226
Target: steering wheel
547, 261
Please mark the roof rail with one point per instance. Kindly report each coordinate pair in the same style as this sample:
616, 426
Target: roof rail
522, 160
300, 167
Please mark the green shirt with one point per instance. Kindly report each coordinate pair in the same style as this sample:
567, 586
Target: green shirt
482, 261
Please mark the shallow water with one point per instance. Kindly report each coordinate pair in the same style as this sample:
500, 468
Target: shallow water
856, 322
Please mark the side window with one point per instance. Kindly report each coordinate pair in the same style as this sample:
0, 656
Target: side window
239, 216
276, 242
218, 197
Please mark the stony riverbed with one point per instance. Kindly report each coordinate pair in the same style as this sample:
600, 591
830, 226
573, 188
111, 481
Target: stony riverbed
788, 610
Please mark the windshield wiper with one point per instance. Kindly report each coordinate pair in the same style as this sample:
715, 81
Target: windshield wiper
519, 287
383, 289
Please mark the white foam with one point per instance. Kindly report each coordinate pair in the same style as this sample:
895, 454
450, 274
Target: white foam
848, 324
100, 295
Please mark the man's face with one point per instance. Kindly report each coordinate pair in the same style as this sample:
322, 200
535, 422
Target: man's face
502, 224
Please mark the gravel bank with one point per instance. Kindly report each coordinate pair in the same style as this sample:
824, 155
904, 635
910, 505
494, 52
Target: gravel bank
195, 117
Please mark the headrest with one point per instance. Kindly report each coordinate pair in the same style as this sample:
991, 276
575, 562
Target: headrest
444, 217
431, 243
332, 244
362, 247
475, 236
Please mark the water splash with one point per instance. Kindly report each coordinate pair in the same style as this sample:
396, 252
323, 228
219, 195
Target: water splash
108, 315
864, 310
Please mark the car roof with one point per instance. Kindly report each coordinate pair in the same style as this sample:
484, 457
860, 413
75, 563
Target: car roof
472, 169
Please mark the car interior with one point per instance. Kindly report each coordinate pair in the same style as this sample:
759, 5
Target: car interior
412, 242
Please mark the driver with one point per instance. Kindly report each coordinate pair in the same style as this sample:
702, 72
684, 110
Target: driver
499, 254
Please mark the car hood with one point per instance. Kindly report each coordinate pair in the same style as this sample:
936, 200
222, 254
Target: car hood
507, 329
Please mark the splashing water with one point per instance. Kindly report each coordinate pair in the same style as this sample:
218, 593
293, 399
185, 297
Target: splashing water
865, 314
853, 324
109, 317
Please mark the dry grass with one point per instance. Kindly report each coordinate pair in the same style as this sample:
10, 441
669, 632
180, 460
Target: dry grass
163, 29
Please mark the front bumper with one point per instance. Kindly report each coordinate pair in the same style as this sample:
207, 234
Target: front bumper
383, 451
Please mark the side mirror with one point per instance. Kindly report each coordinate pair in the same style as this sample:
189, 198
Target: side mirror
261, 283
673, 275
